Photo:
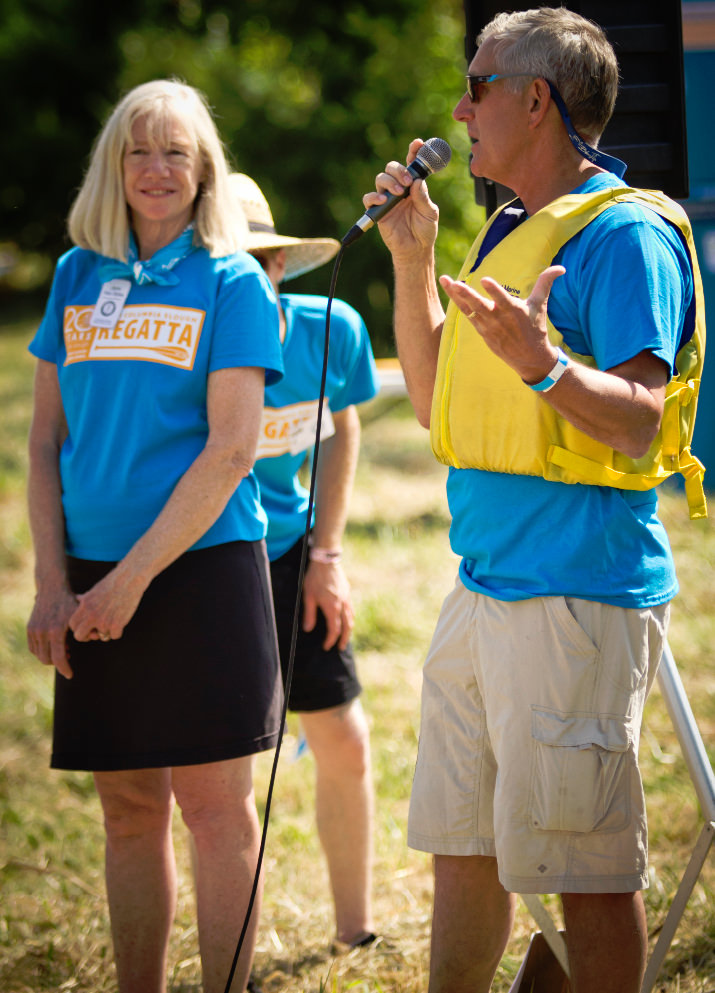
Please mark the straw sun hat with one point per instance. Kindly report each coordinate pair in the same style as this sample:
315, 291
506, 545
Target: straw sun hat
302, 254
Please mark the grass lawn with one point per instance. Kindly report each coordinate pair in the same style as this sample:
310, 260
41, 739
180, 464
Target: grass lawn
54, 932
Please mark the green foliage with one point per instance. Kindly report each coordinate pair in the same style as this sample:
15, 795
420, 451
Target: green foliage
58, 66
311, 104
312, 107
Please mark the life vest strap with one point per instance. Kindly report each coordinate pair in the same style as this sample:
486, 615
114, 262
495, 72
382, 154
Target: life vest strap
693, 472
588, 471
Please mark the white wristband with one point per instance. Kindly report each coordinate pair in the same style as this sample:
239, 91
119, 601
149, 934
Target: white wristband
554, 376
326, 556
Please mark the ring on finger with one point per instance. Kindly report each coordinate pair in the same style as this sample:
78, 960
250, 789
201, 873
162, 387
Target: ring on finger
471, 315
104, 637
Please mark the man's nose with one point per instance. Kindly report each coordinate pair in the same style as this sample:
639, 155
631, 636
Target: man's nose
463, 111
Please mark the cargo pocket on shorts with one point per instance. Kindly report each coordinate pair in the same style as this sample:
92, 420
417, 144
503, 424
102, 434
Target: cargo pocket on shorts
580, 773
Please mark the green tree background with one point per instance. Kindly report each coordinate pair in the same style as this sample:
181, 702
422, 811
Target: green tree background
311, 99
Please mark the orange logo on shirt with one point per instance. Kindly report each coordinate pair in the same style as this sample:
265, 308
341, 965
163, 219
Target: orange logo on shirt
150, 333
292, 428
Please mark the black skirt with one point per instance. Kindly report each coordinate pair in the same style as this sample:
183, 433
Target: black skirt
194, 678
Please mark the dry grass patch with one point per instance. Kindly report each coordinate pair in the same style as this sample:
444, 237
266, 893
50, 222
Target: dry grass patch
54, 932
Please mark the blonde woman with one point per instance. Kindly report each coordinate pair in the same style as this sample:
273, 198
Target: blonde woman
153, 601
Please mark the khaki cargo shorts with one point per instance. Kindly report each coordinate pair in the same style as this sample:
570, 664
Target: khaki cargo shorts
528, 751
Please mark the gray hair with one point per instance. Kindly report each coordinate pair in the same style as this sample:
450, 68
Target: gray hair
566, 49
99, 218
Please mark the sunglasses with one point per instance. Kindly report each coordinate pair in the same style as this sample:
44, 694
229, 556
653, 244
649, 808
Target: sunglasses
474, 83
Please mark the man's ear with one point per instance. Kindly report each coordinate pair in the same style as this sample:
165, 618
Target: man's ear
539, 101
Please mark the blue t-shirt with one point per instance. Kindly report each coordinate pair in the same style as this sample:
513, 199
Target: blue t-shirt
626, 289
291, 406
135, 397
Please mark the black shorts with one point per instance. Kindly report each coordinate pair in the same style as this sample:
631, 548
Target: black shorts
193, 679
320, 679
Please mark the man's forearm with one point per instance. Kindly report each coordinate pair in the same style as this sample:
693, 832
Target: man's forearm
419, 318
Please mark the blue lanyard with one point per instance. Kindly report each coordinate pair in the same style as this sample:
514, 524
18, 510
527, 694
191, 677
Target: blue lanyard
608, 162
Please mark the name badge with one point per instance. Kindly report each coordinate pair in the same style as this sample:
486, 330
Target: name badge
110, 303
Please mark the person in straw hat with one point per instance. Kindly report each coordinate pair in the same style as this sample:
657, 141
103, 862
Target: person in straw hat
325, 688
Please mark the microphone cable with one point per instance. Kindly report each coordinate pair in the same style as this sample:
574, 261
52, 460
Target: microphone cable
296, 618
432, 157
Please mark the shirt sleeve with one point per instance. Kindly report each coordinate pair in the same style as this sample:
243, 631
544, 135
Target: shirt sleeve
246, 331
47, 343
359, 375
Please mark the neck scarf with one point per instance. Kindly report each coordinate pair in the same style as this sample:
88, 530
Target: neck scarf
157, 269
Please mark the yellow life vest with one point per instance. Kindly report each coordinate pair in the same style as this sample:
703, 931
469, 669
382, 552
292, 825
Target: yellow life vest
485, 417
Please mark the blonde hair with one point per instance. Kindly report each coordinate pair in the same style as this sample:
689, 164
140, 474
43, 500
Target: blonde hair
565, 49
99, 217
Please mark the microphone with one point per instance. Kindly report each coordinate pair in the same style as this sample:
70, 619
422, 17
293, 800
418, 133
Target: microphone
433, 156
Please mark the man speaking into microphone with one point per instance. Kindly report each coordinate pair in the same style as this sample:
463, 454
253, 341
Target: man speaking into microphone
551, 388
